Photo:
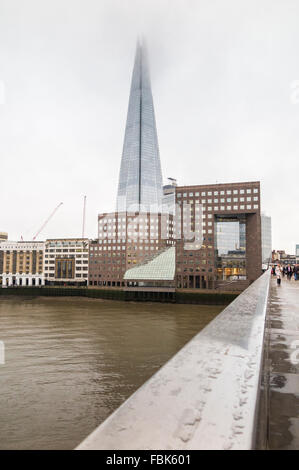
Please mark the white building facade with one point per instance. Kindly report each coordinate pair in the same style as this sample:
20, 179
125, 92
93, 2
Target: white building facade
66, 261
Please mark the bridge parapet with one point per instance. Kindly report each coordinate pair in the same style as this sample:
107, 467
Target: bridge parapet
206, 396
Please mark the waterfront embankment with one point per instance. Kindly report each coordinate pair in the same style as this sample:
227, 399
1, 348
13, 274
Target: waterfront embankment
181, 297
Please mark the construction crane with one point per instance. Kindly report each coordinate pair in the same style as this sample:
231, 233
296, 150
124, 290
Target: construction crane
45, 223
84, 213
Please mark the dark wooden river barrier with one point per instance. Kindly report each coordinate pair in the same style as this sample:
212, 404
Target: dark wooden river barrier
203, 298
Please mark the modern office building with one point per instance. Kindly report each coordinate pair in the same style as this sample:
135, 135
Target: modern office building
22, 263
140, 177
216, 233
168, 199
266, 239
230, 254
66, 262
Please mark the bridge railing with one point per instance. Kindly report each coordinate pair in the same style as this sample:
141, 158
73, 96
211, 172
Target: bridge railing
206, 396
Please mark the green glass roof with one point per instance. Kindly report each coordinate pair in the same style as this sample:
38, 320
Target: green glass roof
161, 268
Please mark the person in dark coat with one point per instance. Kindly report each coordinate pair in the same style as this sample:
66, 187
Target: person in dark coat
289, 272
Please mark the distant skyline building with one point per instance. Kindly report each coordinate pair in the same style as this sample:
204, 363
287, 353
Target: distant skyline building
266, 238
140, 178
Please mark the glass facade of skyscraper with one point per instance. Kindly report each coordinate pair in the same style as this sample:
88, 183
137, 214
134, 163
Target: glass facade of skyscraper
140, 178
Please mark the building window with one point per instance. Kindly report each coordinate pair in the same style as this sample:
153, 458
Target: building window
230, 247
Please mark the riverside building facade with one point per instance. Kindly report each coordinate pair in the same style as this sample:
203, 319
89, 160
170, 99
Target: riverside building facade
22, 263
230, 254
215, 232
66, 262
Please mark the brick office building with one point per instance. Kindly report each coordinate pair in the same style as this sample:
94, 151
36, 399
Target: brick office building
227, 258
230, 255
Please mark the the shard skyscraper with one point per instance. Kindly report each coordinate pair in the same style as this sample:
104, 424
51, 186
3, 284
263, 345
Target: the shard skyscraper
140, 177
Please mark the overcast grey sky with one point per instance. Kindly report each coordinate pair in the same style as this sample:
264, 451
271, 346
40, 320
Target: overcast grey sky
222, 72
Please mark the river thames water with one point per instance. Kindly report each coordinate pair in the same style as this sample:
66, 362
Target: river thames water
70, 362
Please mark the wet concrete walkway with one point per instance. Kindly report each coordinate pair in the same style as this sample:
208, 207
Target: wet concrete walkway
283, 366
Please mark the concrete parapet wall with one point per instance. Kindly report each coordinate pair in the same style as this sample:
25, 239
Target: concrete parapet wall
206, 396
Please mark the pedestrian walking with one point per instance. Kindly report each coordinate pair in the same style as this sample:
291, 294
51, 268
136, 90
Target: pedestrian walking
289, 272
278, 274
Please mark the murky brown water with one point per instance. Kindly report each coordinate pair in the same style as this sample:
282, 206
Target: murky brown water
71, 362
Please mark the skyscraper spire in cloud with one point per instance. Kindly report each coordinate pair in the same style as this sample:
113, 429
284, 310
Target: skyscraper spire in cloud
140, 177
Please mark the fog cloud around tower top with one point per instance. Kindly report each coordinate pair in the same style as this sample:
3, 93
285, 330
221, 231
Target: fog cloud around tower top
224, 82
